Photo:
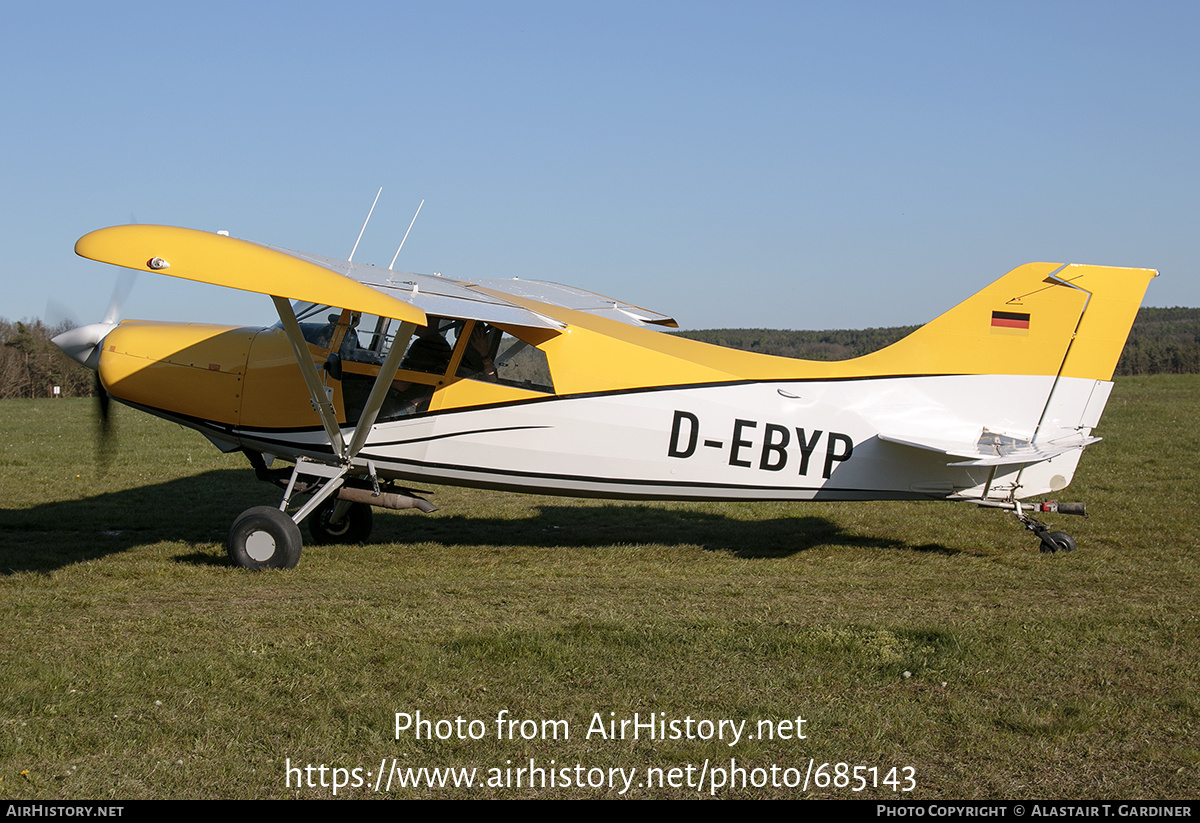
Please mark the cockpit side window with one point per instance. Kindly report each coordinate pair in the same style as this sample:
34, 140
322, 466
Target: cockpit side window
496, 356
432, 347
424, 366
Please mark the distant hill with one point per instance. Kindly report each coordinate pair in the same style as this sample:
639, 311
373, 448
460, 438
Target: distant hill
1162, 341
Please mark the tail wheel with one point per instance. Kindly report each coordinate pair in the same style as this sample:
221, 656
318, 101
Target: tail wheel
354, 527
1057, 542
264, 538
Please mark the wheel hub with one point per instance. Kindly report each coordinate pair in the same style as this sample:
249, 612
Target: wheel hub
260, 546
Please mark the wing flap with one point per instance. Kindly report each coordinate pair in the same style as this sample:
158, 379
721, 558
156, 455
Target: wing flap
570, 297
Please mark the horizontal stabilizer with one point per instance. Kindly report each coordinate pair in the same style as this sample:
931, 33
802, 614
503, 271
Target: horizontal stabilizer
994, 449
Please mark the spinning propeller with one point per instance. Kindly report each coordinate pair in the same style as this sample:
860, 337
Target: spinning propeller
83, 344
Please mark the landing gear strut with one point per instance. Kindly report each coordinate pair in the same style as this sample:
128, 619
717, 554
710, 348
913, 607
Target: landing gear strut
1051, 541
339, 510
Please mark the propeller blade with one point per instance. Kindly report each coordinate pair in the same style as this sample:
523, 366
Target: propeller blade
58, 315
104, 440
83, 344
103, 402
121, 291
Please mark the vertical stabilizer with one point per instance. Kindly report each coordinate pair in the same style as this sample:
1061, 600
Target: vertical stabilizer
1039, 319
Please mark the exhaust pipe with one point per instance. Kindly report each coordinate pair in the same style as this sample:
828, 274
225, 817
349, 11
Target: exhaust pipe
387, 500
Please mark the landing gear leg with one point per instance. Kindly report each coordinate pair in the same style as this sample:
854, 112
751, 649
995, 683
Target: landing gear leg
1051, 541
339, 510
266, 537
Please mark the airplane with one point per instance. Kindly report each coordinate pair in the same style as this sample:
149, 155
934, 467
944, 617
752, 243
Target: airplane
374, 380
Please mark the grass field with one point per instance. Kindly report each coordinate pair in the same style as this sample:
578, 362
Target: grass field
138, 663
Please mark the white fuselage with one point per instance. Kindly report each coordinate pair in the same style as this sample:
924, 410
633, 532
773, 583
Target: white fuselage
786, 440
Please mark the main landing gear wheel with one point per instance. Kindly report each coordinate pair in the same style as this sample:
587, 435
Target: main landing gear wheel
354, 527
264, 538
1056, 542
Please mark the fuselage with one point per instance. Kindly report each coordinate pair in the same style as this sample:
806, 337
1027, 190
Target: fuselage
629, 413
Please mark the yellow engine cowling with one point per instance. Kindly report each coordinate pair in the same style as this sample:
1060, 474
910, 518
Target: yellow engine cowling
191, 369
232, 375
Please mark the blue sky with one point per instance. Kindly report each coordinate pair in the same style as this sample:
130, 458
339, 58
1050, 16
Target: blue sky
785, 165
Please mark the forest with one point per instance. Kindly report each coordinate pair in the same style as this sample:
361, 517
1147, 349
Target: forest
31, 366
1162, 341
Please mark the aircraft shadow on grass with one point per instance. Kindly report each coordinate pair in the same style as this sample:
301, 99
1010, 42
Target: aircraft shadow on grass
199, 509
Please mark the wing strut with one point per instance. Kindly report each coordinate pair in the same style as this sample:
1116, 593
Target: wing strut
321, 400
344, 453
316, 390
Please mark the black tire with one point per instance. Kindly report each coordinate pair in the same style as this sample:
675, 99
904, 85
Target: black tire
264, 538
354, 527
1057, 542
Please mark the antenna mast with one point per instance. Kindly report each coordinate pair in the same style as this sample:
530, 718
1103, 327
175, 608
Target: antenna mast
364, 228
410, 225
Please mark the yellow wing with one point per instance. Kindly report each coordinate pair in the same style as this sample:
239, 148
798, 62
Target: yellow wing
226, 261
205, 257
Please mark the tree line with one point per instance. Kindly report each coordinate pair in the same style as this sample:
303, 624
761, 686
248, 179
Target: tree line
31, 366
1162, 341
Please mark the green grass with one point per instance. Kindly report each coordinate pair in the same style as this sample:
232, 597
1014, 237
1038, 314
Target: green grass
137, 663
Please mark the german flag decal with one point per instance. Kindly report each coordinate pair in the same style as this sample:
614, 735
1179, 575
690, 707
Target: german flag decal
1010, 320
